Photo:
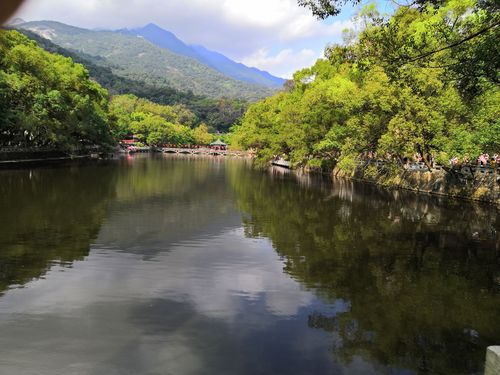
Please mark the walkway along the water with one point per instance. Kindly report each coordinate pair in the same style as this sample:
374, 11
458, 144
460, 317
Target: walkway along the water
202, 151
479, 183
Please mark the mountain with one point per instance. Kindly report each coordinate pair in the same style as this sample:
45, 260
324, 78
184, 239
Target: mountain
135, 58
237, 70
116, 85
15, 21
164, 39
167, 40
219, 114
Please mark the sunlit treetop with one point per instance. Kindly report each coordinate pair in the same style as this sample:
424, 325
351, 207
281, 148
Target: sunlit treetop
328, 8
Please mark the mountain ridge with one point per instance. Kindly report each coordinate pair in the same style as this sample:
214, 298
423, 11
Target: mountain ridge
134, 57
166, 39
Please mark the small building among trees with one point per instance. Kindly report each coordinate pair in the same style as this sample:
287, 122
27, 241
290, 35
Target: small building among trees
218, 145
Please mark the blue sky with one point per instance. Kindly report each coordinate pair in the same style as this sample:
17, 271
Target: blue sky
273, 35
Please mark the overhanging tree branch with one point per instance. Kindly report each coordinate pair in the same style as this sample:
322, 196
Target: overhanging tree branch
472, 36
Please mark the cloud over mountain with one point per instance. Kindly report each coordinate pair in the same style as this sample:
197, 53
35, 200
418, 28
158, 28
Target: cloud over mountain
236, 28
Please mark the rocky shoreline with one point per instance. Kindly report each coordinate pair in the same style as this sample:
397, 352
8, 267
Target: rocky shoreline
480, 184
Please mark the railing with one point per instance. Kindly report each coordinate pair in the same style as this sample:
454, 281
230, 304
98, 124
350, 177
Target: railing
198, 151
11, 149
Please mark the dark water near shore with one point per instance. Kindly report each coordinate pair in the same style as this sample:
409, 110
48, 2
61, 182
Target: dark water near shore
192, 265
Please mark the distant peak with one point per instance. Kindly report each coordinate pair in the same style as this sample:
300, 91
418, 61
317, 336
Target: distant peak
156, 31
16, 21
152, 26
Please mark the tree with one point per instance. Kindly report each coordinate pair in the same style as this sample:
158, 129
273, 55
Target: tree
152, 123
48, 100
328, 8
201, 135
325, 8
396, 90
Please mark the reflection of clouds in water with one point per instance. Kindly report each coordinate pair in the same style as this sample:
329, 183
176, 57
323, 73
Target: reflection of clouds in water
100, 339
199, 308
214, 275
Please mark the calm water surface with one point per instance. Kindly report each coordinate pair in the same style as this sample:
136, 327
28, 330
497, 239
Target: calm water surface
194, 265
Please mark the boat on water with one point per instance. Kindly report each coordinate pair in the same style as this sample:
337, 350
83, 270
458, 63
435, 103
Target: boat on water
280, 162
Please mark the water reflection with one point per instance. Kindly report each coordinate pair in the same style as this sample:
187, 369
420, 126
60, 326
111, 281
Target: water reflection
162, 201
203, 266
49, 216
423, 279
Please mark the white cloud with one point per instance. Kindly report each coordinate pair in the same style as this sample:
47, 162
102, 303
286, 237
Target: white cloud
262, 13
215, 278
305, 27
239, 29
285, 63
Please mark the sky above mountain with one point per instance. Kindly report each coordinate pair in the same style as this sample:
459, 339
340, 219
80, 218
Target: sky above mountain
273, 35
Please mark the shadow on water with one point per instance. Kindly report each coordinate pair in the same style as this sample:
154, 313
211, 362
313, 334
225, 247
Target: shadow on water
421, 274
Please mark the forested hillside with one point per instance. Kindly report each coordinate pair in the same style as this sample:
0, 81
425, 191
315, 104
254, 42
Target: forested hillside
135, 58
422, 83
218, 114
155, 124
49, 101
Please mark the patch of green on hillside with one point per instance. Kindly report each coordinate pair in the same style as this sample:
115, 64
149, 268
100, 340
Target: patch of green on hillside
135, 58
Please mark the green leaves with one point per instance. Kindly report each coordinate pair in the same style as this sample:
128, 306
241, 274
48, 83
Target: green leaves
402, 86
48, 100
155, 124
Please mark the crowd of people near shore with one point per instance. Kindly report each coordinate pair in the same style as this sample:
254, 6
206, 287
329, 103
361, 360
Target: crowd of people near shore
483, 160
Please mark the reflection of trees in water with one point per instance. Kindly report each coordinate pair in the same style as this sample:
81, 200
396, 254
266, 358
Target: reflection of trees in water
422, 278
49, 216
147, 178
52, 216
161, 201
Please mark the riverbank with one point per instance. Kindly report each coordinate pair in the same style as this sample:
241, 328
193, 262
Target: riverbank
21, 158
17, 157
39, 161
475, 184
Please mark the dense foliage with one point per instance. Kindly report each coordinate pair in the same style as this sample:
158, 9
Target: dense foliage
218, 114
47, 100
327, 8
419, 82
155, 124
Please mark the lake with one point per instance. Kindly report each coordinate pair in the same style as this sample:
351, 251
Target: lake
202, 265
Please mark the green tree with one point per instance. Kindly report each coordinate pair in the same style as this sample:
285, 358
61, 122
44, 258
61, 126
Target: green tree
396, 89
48, 100
201, 135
